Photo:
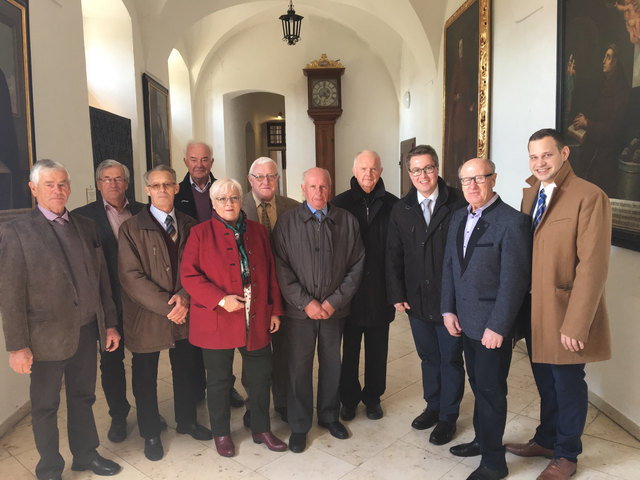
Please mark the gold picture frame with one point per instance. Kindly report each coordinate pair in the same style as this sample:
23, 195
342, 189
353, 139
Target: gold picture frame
466, 86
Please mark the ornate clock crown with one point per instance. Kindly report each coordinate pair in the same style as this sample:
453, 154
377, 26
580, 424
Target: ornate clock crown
324, 62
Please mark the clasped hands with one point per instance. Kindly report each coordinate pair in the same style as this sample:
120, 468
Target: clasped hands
178, 313
319, 311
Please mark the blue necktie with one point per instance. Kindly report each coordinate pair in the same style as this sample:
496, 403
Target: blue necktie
170, 228
540, 208
319, 215
425, 210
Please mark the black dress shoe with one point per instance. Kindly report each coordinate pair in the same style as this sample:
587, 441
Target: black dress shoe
347, 413
374, 412
236, 399
153, 448
246, 418
486, 473
470, 449
283, 413
196, 430
297, 442
99, 465
336, 429
426, 419
443, 433
118, 430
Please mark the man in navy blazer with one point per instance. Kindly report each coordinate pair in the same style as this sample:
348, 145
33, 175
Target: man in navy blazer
485, 277
112, 181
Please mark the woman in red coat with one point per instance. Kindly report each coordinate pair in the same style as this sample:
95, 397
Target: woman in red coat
228, 269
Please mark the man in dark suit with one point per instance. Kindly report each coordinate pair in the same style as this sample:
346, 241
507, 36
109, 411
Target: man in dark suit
485, 277
193, 199
55, 303
415, 248
112, 180
262, 204
371, 312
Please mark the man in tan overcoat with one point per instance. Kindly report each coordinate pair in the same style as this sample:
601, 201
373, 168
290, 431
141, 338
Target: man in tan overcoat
571, 219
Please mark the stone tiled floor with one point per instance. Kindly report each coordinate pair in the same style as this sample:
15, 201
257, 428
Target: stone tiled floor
384, 449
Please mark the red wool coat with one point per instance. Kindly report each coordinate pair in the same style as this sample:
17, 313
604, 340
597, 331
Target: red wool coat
210, 270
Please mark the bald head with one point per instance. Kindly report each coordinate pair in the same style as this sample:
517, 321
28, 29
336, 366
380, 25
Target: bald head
316, 187
478, 178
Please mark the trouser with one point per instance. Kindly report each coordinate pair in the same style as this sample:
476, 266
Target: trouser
303, 334
80, 383
488, 370
376, 347
144, 379
442, 367
564, 399
256, 372
114, 383
280, 371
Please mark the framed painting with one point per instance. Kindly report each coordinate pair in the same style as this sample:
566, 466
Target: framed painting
17, 142
598, 102
467, 52
157, 124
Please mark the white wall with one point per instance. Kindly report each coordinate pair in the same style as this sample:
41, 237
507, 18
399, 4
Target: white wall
181, 114
370, 118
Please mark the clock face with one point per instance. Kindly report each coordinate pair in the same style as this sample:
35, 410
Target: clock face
324, 93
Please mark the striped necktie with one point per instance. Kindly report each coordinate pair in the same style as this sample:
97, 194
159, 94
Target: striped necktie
170, 228
540, 208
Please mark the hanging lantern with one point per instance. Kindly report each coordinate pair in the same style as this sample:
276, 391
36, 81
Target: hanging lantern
291, 25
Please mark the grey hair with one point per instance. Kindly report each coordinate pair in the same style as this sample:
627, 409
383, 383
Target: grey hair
492, 166
160, 168
367, 151
304, 174
262, 161
110, 163
221, 184
191, 143
46, 164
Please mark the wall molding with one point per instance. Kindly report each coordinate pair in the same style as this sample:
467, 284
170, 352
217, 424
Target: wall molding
11, 421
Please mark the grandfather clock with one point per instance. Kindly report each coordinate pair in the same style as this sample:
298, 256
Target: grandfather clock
325, 106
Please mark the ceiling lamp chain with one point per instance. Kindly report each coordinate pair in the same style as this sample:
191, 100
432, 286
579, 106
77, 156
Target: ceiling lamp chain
291, 25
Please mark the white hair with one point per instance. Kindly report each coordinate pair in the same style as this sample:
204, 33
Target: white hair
262, 161
304, 174
192, 143
375, 154
221, 184
46, 164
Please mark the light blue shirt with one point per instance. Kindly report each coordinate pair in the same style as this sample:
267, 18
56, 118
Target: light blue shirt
161, 216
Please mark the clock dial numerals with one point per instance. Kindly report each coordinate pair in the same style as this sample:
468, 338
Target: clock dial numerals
324, 93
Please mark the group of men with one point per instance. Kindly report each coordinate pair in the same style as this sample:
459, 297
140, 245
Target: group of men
471, 272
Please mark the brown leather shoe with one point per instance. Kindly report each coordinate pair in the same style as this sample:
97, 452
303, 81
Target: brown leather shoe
529, 449
558, 469
225, 446
272, 442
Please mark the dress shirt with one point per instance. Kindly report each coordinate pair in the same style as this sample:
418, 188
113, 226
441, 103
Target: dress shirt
472, 220
324, 210
115, 217
433, 197
160, 216
271, 212
49, 215
195, 185
548, 191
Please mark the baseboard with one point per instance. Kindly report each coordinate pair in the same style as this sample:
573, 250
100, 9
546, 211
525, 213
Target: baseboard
15, 417
616, 416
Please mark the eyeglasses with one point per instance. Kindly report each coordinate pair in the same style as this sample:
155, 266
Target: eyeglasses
224, 200
416, 172
479, 179
161, 186
109, 180
268, 176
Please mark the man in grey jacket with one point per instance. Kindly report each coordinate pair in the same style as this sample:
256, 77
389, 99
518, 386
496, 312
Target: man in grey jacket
319, 264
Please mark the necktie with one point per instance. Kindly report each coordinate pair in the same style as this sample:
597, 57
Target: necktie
60, 220
540, 208
425, 210
171, 230
319, 215
265, 217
